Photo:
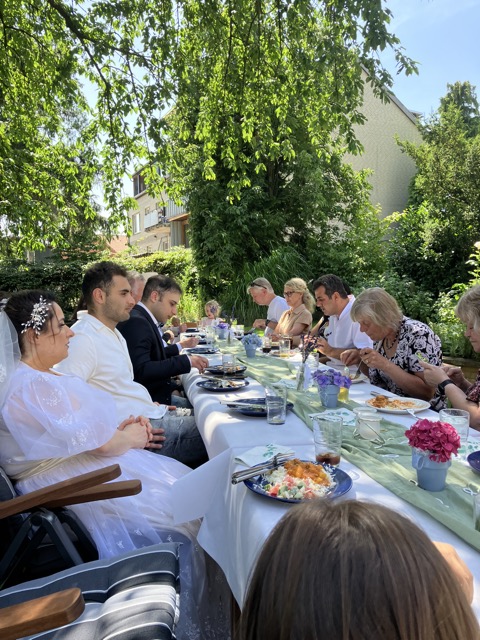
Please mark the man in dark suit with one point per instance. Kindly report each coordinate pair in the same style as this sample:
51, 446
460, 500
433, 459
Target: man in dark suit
155, 363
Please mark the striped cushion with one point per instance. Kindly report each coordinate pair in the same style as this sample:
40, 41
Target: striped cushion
131, 597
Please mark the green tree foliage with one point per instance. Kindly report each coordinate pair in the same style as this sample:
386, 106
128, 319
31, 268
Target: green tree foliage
232, 69
433, 238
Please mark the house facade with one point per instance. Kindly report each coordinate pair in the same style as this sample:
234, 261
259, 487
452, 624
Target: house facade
158, 225
392, 169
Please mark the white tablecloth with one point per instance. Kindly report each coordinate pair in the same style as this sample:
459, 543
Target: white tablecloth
236, 521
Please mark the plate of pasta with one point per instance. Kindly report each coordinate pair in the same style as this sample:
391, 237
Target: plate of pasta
389, 404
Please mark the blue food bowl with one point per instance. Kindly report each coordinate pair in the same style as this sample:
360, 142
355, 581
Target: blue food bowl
474, 461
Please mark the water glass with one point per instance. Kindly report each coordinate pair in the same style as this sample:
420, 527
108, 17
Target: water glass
476, 512
229, 362
239, 330
276, 401
327, 436
460, 421
284, 347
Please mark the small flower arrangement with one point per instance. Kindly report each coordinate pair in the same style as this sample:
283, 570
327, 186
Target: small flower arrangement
223, 325
324, 377
439, 439
251, 340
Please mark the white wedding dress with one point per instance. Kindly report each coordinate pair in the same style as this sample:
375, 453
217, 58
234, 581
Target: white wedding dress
51, 424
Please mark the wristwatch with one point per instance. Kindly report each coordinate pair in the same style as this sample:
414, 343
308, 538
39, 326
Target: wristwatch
442, 385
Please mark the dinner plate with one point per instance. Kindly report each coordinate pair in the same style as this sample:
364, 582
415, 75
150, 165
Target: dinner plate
361, 378
214, 385
217, 369
343, 484
473, 460
420, 405
203, 351
261, 412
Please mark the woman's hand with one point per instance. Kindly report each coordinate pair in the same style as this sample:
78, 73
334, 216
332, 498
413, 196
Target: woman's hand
433, 375
373, 359
350, 356
138, 435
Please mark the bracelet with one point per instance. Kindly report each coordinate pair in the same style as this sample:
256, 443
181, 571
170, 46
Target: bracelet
442, 385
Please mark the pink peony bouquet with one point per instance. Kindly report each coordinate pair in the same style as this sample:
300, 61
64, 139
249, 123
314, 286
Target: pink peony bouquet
439, 439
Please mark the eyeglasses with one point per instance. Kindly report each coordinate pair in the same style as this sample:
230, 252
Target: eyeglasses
287, 294
254, 284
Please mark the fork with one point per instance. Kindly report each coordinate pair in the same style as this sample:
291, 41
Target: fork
269, 465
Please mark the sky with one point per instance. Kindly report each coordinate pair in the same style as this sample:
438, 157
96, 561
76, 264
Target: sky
443, 37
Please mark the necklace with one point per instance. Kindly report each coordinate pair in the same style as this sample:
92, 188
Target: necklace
389, 344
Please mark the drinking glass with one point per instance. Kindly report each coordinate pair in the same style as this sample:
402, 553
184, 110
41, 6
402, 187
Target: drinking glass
266, 344
276, 401
476, 512
460, 421
239, 330
327, 436
284, 347
229, 362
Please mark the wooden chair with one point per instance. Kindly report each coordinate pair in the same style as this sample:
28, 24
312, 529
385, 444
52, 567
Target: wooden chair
37, 530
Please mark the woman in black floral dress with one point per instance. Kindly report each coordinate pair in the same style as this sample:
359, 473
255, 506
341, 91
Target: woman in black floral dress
401, 345
461, 393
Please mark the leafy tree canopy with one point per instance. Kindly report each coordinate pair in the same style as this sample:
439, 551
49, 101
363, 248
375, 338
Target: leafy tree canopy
243, 61
435, 236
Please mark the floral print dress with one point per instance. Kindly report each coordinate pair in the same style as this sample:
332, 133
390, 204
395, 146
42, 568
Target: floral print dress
413, 337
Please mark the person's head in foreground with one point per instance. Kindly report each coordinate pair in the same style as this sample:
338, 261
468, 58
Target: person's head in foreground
353, 571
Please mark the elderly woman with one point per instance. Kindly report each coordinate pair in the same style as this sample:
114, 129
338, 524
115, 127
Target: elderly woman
400, 346
298, 319
461, 393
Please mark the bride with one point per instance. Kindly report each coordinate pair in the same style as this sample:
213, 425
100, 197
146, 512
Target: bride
57, 426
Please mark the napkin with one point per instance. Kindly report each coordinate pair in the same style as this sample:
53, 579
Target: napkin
257, 455
348, 416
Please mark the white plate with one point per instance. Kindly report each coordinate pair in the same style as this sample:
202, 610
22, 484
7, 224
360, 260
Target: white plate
361, 378
420, 405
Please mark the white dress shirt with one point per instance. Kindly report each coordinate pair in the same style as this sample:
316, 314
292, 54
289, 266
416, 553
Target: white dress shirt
343, 333
100, 356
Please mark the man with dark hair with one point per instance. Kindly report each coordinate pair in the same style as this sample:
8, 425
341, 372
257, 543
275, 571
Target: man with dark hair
99, 355
333, 297
154, 363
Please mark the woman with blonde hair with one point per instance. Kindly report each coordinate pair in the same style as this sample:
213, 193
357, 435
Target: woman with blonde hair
401, 345
298, 319
351, 571
461, 393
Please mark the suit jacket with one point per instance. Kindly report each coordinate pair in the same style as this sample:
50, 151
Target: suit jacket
153, 364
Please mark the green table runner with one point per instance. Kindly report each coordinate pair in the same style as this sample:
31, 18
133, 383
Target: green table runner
390, 465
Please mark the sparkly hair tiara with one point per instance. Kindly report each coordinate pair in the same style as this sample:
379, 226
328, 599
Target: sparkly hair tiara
38, 316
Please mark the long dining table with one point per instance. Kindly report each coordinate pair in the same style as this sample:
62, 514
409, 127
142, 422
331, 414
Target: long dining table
236, 521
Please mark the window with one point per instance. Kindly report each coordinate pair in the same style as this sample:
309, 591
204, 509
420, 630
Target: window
136, 223
138, 184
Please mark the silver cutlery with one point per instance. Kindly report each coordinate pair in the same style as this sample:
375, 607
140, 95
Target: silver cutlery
269, 465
